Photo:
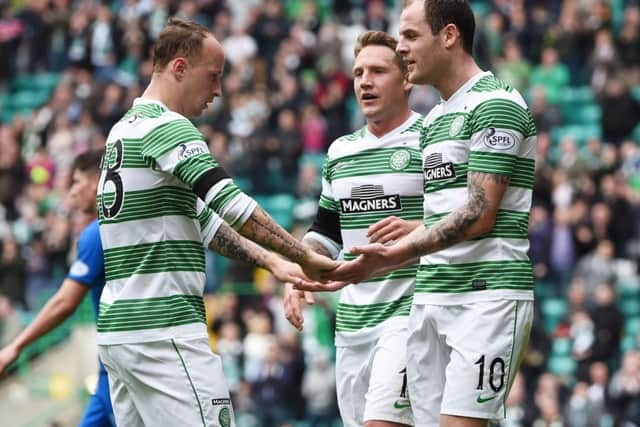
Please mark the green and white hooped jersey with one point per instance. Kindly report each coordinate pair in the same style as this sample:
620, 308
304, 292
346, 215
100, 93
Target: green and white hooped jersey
155, 169
365, 180
485, 127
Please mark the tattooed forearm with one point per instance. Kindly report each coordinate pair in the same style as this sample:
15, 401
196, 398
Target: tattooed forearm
458, 225
261, 228
230, 244
318, 247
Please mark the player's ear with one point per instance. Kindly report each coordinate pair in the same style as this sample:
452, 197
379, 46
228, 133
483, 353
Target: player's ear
406, 85
450, 35
178, 67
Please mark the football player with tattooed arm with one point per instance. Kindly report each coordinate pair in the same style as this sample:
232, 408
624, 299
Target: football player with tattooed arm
87, 275
152, 334
371, 192
473, 301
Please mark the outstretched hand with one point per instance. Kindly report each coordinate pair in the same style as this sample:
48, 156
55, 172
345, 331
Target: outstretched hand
308, 286
372, 259
294, 302
390, 229
287, 271
318, 267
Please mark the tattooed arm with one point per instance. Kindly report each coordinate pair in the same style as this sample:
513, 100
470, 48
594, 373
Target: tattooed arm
473, 219
318, 247
230, 244
262, 229
476, 217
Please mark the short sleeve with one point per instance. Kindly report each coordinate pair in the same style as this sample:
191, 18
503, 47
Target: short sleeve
326, 227
498, 129
178, 148
209, 222
88, 268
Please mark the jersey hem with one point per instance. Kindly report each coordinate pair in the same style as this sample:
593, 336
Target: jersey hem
188, 331
348, 339
433, 298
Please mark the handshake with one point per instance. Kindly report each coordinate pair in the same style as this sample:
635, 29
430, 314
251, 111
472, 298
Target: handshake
319, 273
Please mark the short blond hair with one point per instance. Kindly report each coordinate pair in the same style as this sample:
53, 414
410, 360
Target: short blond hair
380, 38
180, 37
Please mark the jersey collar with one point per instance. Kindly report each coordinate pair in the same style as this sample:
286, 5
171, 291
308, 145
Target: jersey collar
465, 88
411, 120
143, 101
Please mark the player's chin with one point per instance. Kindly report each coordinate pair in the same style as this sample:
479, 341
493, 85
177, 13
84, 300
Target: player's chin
415, 77
371, 112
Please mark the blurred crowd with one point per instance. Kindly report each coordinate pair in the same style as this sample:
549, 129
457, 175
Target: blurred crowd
76, 65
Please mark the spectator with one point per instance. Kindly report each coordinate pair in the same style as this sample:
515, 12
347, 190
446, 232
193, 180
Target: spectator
608, 323
582, 334
13, 273
376, 18
562, 251
269, 386
620, 112
540, 233
513, 68
270, 29
79, 40
628, 43
239, 47
625, 389
319, 388
34, 35
597, 267
12, 172
11, 30
230, 349
551, 75
546, 116
603, 59
598, 393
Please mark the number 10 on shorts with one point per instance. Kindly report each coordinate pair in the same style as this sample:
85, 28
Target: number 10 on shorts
496, 373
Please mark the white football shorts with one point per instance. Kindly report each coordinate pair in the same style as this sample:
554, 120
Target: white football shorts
167, 383
462, 359
371, 380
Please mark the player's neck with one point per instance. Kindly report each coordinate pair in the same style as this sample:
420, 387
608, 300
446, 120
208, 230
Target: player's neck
161, 91
380, 128
459, 72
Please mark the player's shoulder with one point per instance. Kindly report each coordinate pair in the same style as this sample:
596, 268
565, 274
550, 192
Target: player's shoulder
171, 119
489, 89
411, 128
432, 115
345, 142
412, 125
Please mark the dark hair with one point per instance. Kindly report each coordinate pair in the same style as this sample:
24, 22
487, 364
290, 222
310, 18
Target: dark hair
440, 13
88, 162
380, 38
179, 38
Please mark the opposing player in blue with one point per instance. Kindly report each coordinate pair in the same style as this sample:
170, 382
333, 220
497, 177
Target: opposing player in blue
85, 275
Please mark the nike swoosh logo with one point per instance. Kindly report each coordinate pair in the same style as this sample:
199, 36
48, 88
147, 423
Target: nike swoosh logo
399, 404
481, 399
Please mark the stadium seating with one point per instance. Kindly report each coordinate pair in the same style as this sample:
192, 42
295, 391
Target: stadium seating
26, 92
553, 310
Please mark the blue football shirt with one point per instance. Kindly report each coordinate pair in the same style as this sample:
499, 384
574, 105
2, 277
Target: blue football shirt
88, 268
